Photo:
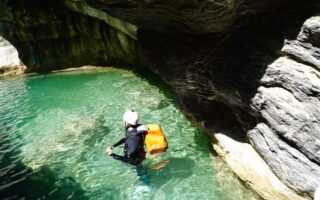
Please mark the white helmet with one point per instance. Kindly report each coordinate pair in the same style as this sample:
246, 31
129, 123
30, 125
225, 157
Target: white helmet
131, 117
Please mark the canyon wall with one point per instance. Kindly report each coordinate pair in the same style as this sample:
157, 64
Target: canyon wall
246, 71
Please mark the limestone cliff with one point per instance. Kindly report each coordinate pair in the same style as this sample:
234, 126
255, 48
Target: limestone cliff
247, 71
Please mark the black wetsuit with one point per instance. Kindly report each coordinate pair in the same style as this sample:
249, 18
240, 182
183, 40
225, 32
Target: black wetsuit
133, 149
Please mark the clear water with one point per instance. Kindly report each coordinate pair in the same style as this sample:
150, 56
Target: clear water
54, 130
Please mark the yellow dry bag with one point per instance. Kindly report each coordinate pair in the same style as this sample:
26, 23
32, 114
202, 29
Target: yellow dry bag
155, 140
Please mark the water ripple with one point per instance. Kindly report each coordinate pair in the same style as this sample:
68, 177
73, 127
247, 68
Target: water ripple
54, 130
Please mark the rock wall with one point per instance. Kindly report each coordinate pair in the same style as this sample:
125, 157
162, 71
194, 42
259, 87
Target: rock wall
234, 86
287, 134
256, 85
50, 36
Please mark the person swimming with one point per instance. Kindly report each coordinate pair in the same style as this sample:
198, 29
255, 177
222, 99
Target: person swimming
133, 141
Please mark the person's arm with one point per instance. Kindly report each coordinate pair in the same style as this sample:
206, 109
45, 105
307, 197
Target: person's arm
109, 149
120, 142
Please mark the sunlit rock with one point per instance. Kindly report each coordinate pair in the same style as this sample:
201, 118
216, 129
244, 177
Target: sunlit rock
10, 62
306, 47
287, 136
249, 166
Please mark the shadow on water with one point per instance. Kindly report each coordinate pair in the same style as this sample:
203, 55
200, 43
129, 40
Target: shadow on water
202, 141
43, 183
176, 169
94, 136
18, 181
96, 133
155, 80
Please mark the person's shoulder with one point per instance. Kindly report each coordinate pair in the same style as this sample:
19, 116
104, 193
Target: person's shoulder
142, 128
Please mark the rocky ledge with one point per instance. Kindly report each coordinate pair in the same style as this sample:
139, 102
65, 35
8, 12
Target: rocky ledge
246, 71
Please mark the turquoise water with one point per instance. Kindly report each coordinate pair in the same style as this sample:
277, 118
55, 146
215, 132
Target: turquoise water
54, 130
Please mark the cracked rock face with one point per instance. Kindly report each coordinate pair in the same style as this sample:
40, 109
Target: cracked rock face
288, 133
306, 47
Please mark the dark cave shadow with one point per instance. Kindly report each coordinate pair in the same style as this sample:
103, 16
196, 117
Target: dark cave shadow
50, 36
225, 67
17, 33
155, 80
238, 66
28, 50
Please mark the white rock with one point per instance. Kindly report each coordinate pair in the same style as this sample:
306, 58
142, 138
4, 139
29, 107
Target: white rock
317, 194
252, 169
9, 58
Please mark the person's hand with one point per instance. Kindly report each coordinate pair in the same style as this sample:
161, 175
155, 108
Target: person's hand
109, 151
